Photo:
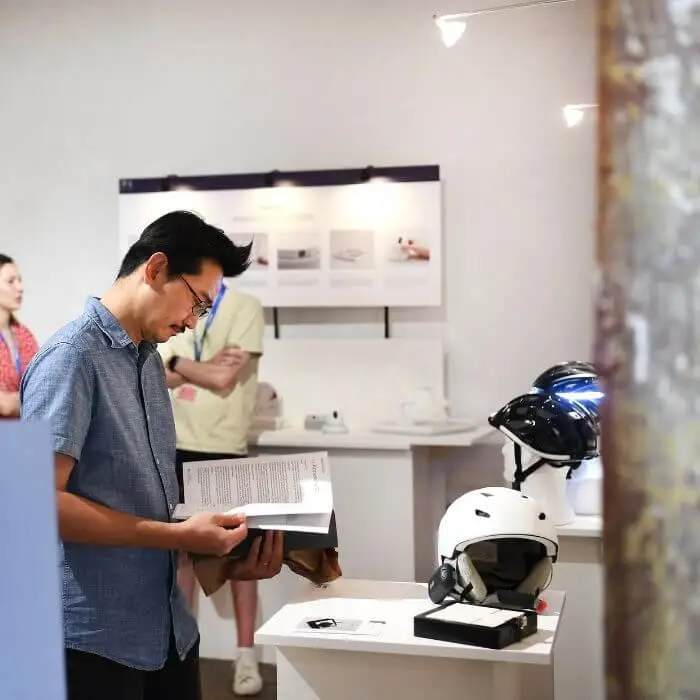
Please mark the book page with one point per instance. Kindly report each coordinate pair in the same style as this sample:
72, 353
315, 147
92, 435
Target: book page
260, 486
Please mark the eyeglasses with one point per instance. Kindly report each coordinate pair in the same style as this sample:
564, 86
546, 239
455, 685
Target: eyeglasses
201, 307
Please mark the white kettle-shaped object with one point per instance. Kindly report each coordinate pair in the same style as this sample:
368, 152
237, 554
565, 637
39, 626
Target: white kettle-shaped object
422, 404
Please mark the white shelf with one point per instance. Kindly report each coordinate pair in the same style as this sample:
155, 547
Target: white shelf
429, 428
582, 526
364, 439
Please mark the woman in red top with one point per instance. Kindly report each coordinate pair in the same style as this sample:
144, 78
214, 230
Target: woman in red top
17, 345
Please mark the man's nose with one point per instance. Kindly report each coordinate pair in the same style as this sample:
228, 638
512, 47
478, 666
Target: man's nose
190, 321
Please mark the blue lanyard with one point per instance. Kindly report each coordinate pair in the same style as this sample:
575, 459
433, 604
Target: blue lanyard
15, 355
199, 343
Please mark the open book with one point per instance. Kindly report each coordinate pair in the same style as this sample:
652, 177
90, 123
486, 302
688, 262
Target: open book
276, 492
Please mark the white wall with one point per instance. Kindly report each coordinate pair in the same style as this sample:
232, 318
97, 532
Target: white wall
93, 92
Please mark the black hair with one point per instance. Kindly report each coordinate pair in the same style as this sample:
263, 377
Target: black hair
186, 240
7, 260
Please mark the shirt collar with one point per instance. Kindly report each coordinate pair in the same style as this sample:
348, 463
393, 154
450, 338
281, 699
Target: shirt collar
109, 325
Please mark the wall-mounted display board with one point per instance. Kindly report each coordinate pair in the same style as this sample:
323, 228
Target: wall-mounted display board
320, 238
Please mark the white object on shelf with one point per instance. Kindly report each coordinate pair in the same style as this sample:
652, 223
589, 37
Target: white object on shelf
423, 404
427, 427
585, 488
334, 424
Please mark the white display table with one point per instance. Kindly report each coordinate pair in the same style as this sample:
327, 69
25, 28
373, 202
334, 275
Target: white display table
394, 663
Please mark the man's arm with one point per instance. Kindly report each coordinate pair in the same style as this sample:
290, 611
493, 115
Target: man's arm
84, 521
218, 376
81, 520
58, 388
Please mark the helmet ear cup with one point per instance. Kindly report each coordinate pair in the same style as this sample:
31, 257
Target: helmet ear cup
442, 583
474, 587
458, 580
538, 579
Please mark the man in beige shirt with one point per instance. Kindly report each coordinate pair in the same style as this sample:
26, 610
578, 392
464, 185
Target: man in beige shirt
212, 374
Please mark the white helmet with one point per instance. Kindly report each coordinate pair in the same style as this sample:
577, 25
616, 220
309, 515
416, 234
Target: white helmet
490, 540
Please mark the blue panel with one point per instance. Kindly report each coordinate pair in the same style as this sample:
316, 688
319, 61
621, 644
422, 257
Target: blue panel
31, 644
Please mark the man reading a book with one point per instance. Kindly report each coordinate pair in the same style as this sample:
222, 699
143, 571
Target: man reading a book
100, 384
212, 372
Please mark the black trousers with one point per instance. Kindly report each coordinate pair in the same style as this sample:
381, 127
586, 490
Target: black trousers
92, 677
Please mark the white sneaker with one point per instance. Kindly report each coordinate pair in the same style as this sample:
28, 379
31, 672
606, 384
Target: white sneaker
246, 677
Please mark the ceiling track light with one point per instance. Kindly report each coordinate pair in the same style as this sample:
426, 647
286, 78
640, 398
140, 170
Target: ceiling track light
452, 26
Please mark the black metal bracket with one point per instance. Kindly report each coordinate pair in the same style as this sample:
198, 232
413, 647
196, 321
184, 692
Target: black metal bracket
276, 321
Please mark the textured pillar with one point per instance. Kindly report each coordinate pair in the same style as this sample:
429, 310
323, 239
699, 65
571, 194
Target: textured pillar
648, 344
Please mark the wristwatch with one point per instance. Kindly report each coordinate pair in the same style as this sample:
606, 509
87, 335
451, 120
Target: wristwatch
172, 362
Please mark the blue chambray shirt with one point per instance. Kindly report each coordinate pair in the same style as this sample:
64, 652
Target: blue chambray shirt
108, 404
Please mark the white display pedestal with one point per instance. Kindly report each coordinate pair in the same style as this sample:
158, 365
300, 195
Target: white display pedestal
394, 663
579, 571
580, 654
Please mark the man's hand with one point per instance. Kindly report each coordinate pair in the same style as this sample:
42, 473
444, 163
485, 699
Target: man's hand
173, 379
263, 561
211, 533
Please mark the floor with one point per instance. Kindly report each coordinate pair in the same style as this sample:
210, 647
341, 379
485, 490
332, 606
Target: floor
216, 681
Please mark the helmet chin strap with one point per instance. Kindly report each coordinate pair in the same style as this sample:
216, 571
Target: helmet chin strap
522, 474
572, 469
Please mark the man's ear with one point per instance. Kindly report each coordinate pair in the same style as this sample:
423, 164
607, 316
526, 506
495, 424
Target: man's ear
155, 272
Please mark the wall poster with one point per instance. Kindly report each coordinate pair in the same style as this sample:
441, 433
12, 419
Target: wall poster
375, 243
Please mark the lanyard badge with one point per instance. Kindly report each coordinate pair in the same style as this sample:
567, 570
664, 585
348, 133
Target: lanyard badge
199, 342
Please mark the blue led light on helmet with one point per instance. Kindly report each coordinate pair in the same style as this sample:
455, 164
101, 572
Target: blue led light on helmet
574, 381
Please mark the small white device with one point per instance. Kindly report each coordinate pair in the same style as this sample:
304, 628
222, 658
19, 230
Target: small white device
315, 421
334, 424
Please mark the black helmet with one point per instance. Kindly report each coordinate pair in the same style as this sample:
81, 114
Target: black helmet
560, 432
575, 381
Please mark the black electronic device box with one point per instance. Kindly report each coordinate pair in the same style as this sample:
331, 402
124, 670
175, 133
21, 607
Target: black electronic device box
477, 625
